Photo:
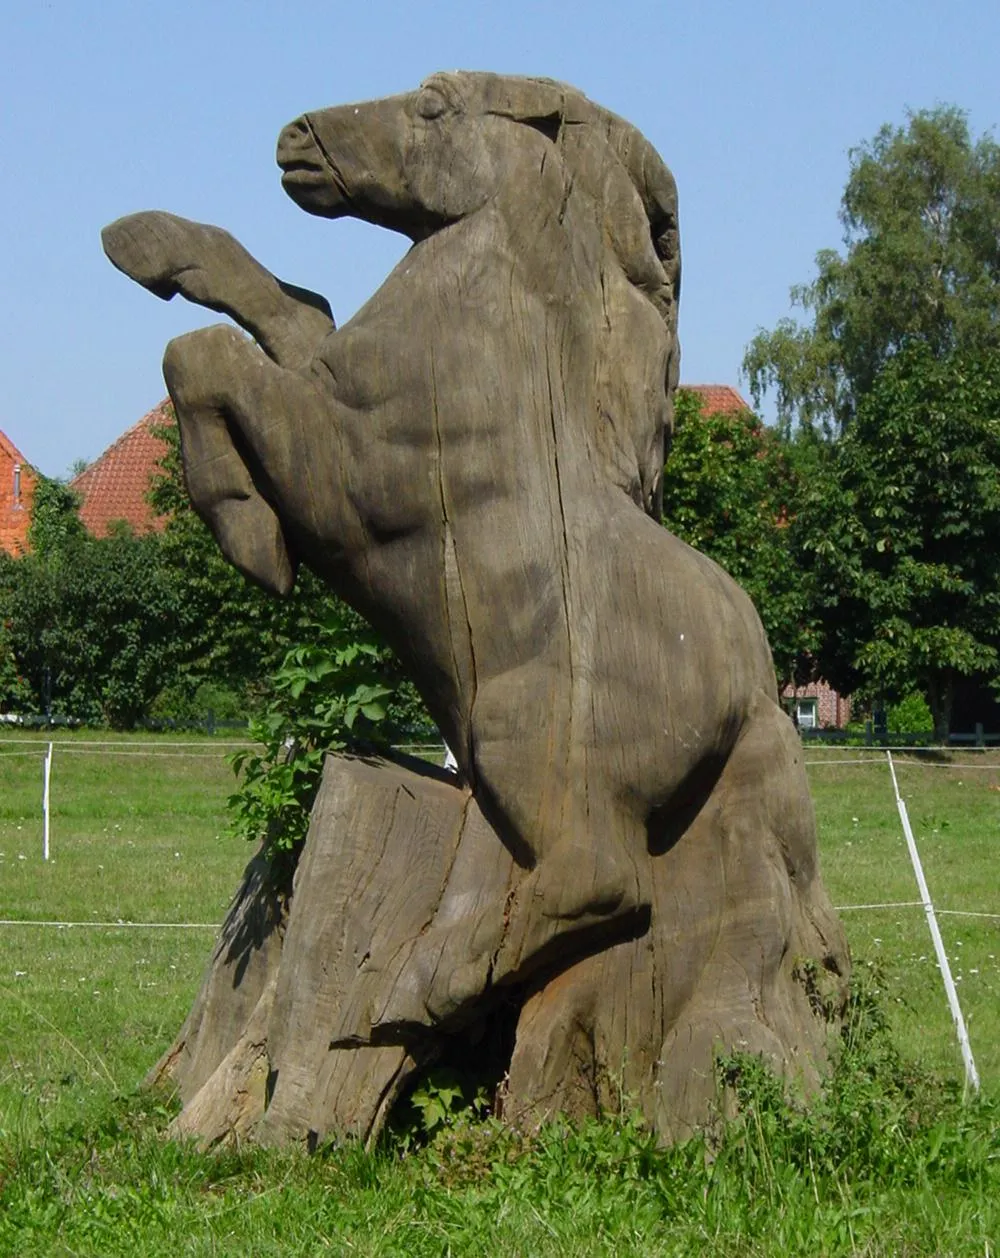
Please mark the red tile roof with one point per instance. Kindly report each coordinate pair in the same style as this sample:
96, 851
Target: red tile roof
116, 486
718, 399
17, 488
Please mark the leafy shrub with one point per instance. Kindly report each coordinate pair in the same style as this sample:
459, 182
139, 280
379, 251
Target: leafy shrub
343, 689
910, 715
181, 705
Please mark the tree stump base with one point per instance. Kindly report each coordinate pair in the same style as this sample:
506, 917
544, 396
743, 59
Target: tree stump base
285, 1041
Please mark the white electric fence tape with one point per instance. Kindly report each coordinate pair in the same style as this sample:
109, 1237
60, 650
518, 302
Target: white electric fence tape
971, 1074
47, 779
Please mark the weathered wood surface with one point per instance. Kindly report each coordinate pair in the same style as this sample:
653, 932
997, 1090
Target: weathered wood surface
294, 990
287, 1040
474, 462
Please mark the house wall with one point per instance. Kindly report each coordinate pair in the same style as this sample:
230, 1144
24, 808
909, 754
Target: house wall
16, 493
833, 710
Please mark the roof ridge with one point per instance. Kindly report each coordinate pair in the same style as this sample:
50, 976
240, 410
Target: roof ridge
11, 449
109, 450
727, 391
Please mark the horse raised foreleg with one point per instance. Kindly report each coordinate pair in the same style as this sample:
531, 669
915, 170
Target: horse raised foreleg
169, 255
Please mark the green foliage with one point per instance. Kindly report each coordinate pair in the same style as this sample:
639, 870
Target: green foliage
910, 715
878, 1123
179, 705
91, 624
341, 689
899, 535
55, 524
921, 219
15, 691
730, 487
445, 1100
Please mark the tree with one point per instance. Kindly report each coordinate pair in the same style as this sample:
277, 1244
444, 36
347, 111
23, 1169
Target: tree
921, 219
55, 522
730, 489
901, 533
90, 623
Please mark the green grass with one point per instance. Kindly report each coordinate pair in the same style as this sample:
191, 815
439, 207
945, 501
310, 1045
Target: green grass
84, 1011
888, 1161
955, 816
885, 1163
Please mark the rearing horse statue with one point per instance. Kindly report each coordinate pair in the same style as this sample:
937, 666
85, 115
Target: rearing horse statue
474, 462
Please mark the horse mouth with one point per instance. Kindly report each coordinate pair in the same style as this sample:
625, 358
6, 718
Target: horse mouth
309, 175
312, 188
303, 174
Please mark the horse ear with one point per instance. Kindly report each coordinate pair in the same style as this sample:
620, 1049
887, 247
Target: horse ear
539, 103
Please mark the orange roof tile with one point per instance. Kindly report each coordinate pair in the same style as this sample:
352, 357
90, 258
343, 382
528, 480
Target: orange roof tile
116, 485
17, 489
718, 399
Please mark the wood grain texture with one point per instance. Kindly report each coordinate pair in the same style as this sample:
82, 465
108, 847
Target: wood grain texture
474, 461
287, 1039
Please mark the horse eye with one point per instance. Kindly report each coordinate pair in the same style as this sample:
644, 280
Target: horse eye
431, 104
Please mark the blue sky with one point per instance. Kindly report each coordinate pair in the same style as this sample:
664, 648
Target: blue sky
111, 106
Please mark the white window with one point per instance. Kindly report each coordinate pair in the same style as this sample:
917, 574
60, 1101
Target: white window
806, 713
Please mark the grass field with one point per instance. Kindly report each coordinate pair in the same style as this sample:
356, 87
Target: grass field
86, 1010
136, 838
955, 815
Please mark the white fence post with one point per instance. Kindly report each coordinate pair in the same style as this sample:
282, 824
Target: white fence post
971, 1074
45, 803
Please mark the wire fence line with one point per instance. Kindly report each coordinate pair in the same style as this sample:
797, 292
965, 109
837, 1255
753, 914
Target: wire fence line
122, 925
910, 764
916, 904
877, 750
122, 749
122, 742
889, 904
875, 757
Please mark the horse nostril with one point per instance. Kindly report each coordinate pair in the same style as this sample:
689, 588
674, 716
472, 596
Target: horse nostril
293, 138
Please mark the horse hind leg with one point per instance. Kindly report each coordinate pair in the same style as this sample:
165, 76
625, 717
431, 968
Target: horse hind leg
584, 852
581, 876
578, 899
588, 889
